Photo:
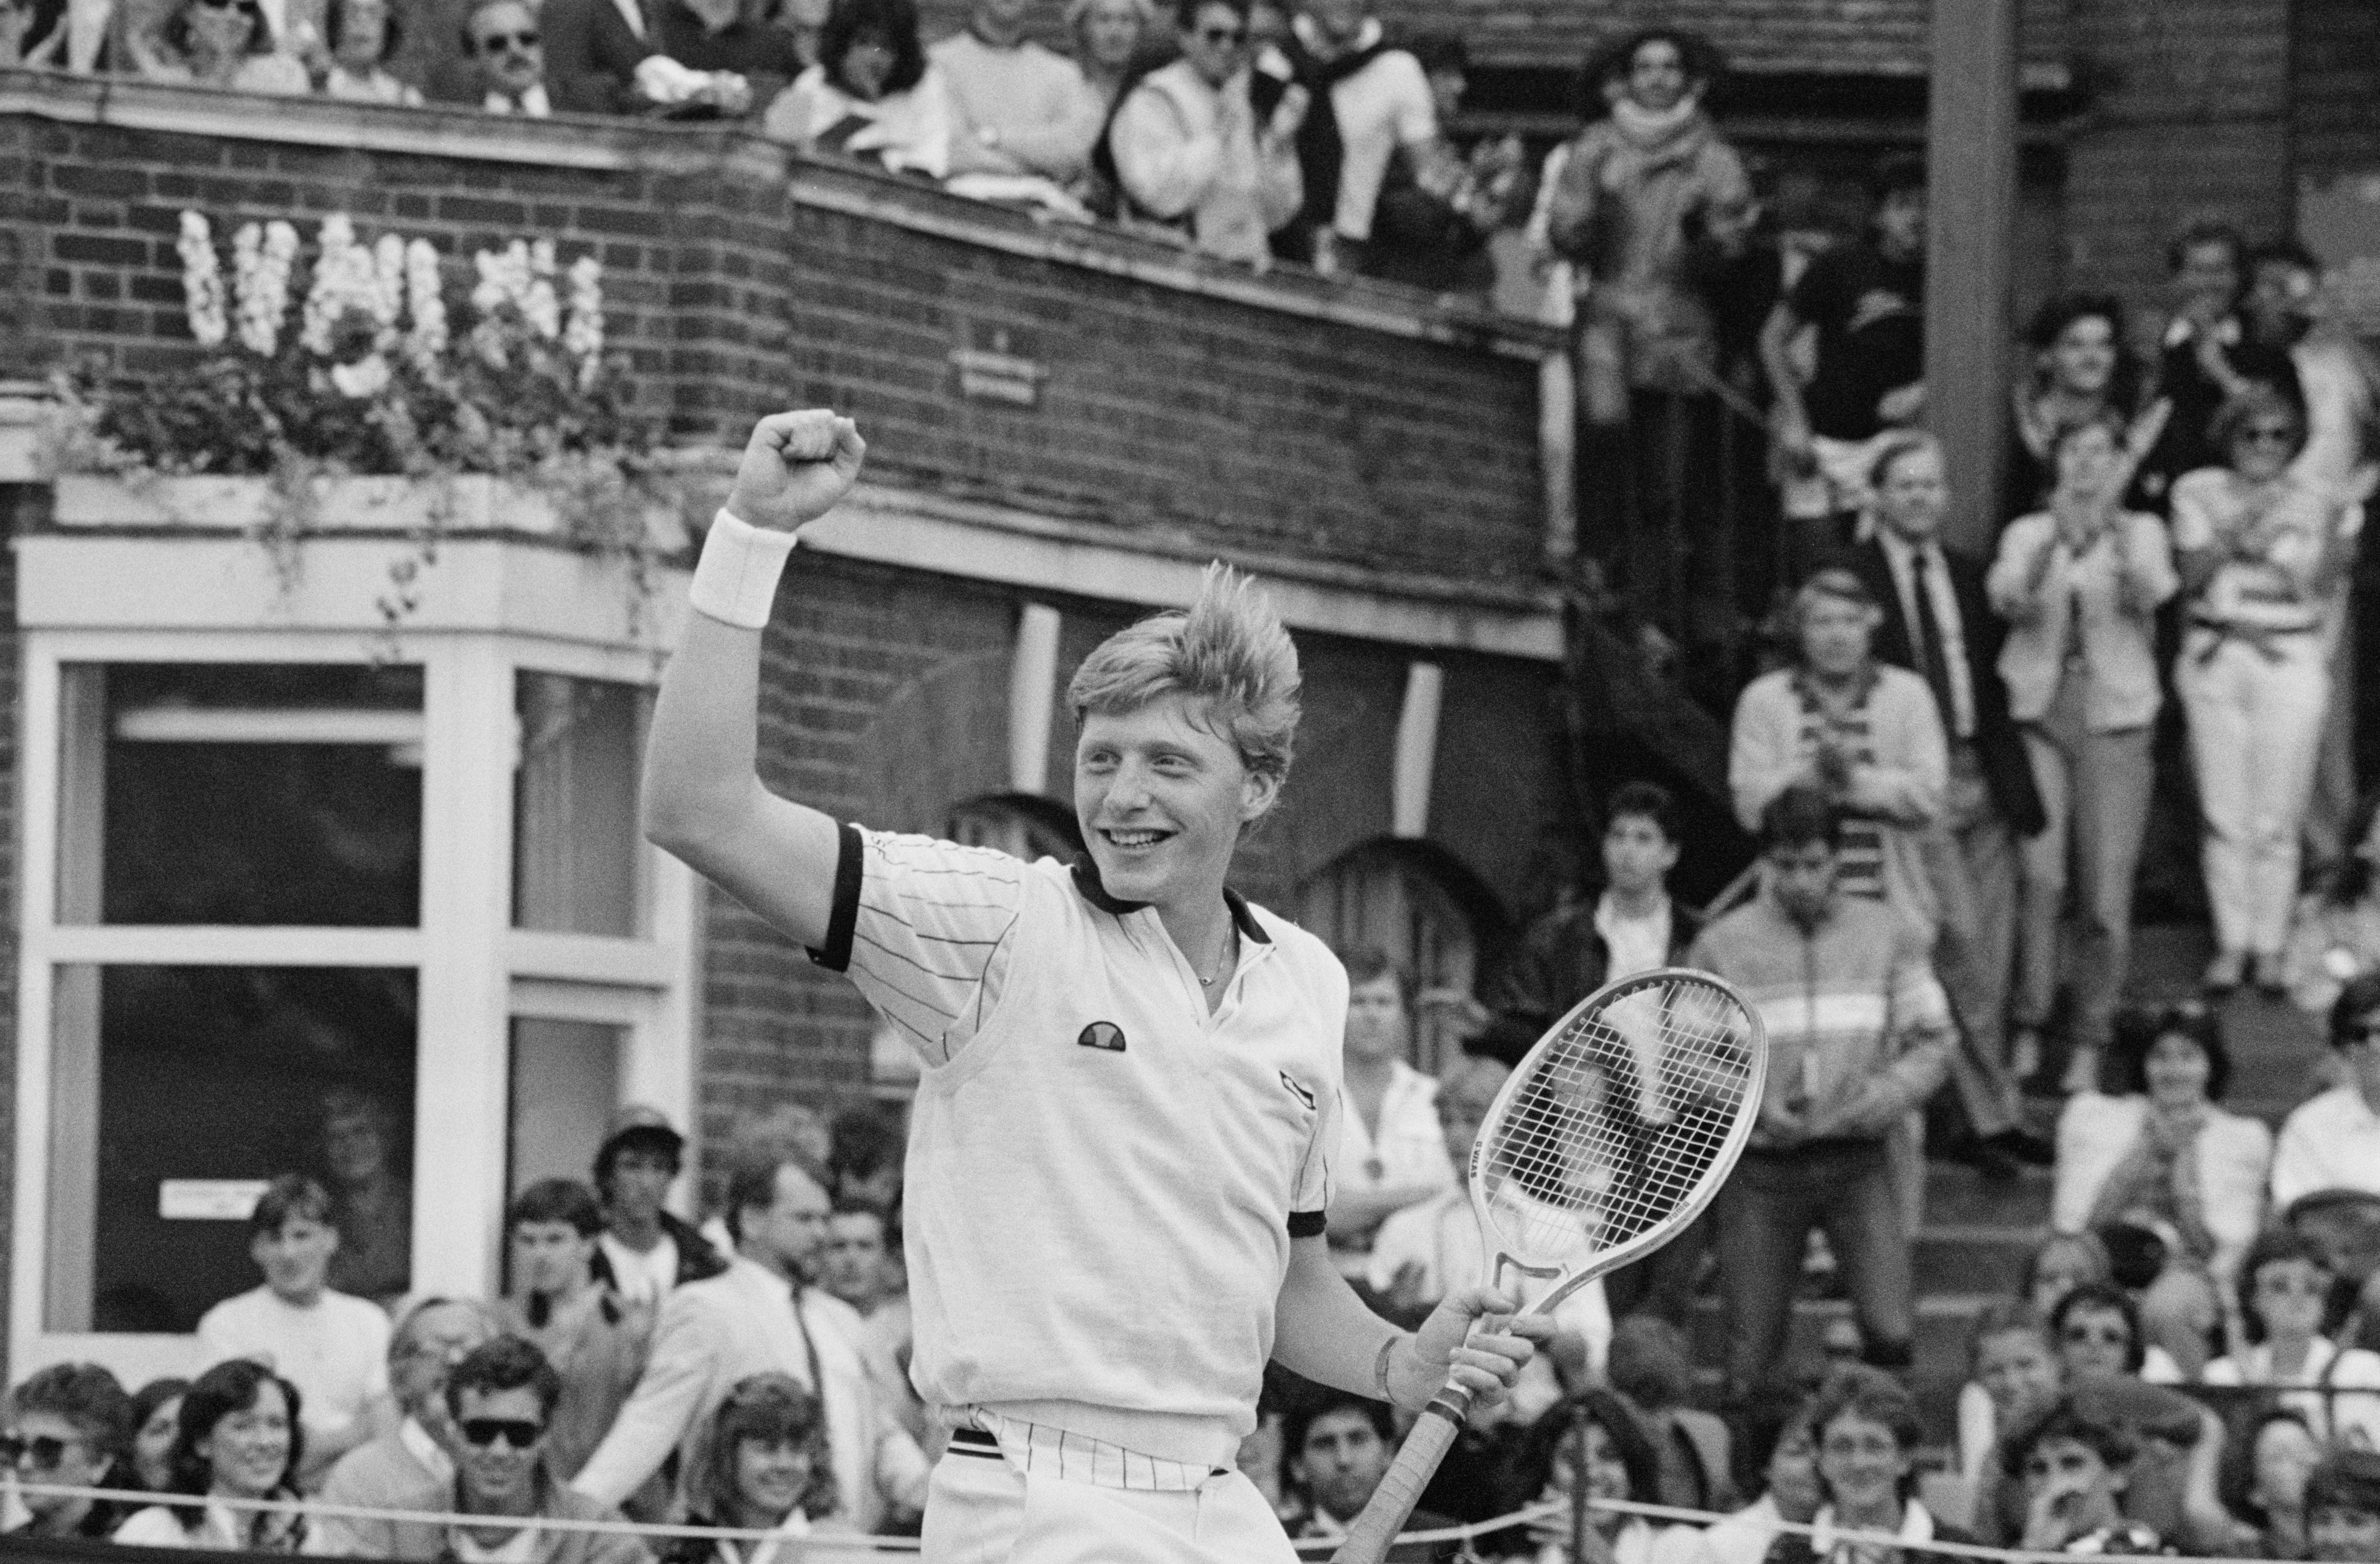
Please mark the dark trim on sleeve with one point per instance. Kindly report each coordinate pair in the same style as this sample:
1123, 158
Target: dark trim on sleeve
835, 956
1307, 1224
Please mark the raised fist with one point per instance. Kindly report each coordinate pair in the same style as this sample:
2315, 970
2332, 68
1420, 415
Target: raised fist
795, 468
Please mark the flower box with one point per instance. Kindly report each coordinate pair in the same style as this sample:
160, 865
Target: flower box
472, 504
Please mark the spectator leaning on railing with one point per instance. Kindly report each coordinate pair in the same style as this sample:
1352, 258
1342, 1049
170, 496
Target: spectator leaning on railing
1189, 152
225, 43
1370, 98
872, 94
365, 34
1022, 109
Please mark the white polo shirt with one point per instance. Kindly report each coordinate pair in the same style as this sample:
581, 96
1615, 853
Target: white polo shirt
1103, 1177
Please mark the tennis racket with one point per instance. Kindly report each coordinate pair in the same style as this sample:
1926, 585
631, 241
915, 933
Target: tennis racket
1613, 1134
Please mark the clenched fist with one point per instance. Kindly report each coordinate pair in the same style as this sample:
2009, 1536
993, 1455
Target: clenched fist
797, 468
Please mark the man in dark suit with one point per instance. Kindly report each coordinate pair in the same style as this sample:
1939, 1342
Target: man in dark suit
1938, 625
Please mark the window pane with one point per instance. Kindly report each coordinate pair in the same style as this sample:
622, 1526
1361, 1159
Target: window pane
577, 850
242, 793
565, 1082
178, 1091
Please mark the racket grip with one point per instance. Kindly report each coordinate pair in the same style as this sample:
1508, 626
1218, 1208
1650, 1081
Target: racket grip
1374, 1531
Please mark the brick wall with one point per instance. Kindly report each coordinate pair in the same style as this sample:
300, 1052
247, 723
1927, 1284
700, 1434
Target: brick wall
2188, 117
1237, 425
2335, 88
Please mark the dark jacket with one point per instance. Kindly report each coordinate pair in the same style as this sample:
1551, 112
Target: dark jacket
1999, 745
696, 1260
591, 55
1561, 960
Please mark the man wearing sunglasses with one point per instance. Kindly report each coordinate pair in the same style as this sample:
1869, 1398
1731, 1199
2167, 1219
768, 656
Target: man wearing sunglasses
502, 1398
68, 1425
2333, 1142
501, 36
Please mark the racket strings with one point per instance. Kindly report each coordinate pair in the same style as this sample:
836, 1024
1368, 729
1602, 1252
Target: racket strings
1619, 1121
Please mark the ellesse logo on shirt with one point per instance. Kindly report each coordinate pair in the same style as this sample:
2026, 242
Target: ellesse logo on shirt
1102, 1035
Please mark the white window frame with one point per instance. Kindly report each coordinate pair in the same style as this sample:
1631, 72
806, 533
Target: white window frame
474, 970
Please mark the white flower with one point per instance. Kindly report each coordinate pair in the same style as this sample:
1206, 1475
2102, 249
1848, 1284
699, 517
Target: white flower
202, 283
425, 306
260, 262
388, 278
347, 278
583, 336
366, 377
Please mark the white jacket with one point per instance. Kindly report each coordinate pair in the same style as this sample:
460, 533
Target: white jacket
1188, 151
2095, 1132
715, 1332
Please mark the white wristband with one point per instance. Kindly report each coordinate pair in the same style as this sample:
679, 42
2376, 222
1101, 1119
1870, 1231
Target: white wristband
736, 580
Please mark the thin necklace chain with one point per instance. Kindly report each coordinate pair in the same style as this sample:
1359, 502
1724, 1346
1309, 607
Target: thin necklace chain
1231, 936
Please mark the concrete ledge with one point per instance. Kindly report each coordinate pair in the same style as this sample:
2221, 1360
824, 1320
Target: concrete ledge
828, 184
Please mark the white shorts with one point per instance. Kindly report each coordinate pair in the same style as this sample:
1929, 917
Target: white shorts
981, 1509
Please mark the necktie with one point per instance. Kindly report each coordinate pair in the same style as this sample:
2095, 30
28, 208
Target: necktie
1925, 640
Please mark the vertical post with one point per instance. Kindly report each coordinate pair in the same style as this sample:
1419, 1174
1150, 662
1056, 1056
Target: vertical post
1970, 139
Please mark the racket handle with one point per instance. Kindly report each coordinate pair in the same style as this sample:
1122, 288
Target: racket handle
1369, 1538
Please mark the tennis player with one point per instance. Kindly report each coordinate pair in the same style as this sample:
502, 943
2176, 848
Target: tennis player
1120, 1150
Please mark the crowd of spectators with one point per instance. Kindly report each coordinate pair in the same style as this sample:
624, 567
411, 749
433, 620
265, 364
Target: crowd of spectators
2188, 1364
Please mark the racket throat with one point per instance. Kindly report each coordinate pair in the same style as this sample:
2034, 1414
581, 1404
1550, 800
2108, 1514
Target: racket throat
1506, 1266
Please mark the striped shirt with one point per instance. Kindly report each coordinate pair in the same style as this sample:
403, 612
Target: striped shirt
1104, 1176
1858, 857
1852, 1007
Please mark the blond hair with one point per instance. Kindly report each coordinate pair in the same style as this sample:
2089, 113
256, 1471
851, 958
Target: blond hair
1227, 649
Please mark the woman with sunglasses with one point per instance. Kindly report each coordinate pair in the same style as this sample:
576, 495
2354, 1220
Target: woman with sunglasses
2285, 1284
69, 1425
2157, 1154
238, 1439
2260, 557
765, 1468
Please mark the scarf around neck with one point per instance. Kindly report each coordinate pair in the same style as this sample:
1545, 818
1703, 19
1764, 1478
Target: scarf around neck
1657, 130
